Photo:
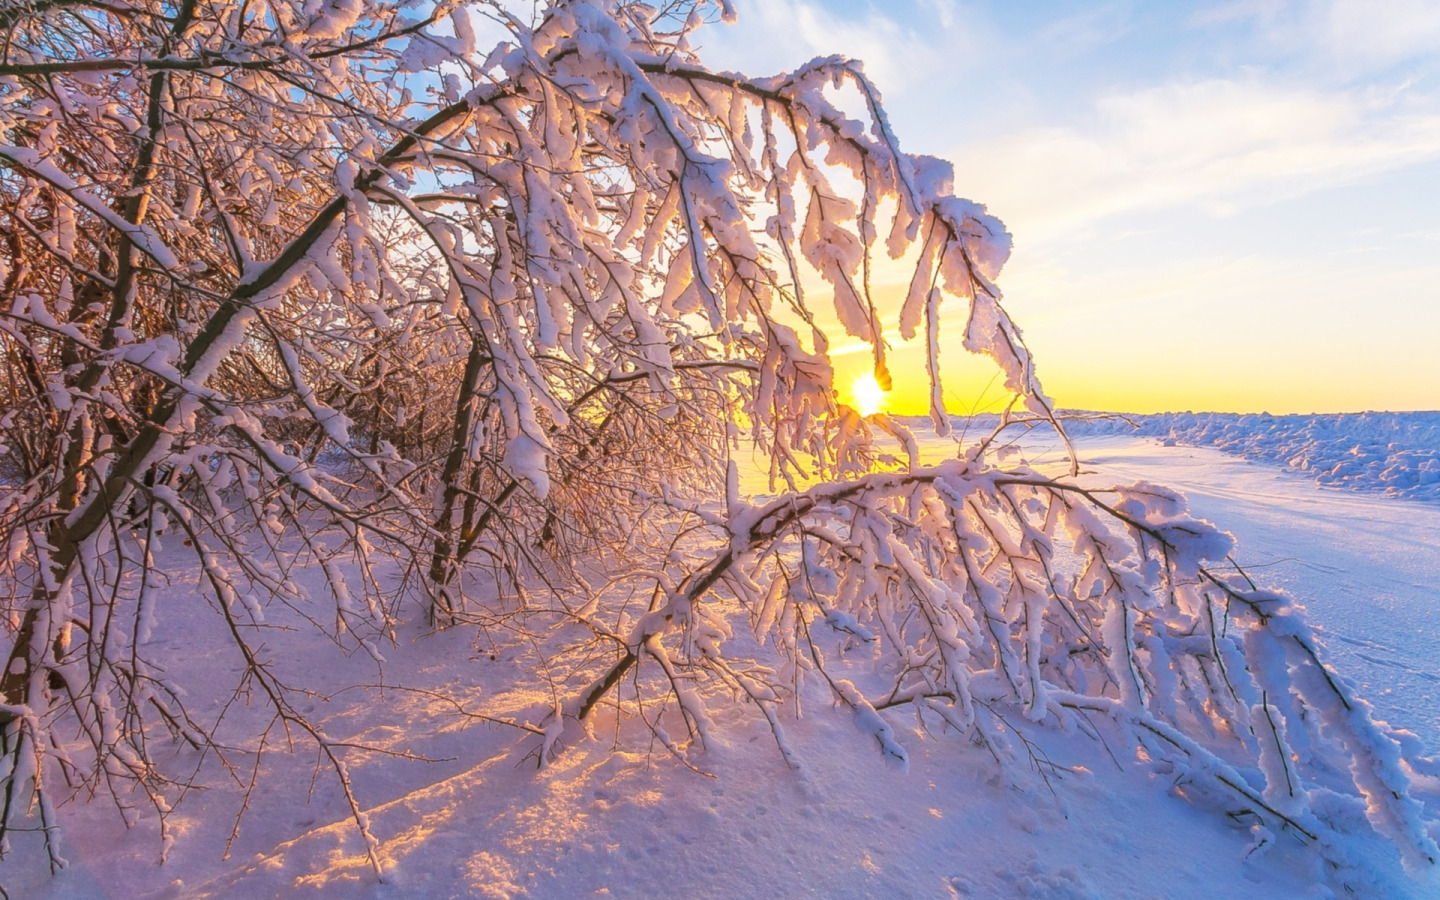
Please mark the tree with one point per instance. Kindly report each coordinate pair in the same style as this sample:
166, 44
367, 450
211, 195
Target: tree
454, 290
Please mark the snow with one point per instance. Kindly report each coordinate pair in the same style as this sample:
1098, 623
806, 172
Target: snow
1364, 566
1396, 454
1110, 736
142, 236
613, 813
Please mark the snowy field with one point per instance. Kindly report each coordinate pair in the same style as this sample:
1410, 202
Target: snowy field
1395, 454
615, 816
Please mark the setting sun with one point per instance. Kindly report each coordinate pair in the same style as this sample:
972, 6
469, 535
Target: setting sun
868, 396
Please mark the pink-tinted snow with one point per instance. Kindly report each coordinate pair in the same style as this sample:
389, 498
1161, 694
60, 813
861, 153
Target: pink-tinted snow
617, 816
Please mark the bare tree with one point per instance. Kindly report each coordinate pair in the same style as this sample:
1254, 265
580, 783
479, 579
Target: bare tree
352, 278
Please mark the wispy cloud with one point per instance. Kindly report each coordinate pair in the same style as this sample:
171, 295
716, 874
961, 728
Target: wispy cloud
1250, 136
1221, 144
897, 55
1357, 34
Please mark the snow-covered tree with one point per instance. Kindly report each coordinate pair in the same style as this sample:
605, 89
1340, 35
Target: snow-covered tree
414, 291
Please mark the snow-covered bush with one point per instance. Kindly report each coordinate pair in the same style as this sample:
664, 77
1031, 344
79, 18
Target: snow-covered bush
402, 292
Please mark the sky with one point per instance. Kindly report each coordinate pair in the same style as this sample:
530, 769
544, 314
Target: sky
1229, 206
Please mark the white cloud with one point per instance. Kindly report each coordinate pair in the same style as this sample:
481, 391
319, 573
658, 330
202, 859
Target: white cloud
1383, 31
781, 34
1220, 144
1356, 35
1242, 10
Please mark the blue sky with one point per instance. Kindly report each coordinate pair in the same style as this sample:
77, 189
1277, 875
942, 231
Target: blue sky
1229, 205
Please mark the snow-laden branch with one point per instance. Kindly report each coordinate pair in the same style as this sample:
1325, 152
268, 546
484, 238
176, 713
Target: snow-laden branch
471, 330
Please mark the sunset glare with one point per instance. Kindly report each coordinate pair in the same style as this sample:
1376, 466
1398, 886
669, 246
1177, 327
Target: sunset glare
868, 396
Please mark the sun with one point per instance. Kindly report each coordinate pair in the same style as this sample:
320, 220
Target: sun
869, 397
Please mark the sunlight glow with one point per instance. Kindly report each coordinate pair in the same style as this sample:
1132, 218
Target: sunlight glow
868, 396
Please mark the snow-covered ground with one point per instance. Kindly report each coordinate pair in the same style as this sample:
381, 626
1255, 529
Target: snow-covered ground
617, 816
1367, 567
1395, 454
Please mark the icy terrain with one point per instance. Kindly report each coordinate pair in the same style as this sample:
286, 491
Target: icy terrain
617, 816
